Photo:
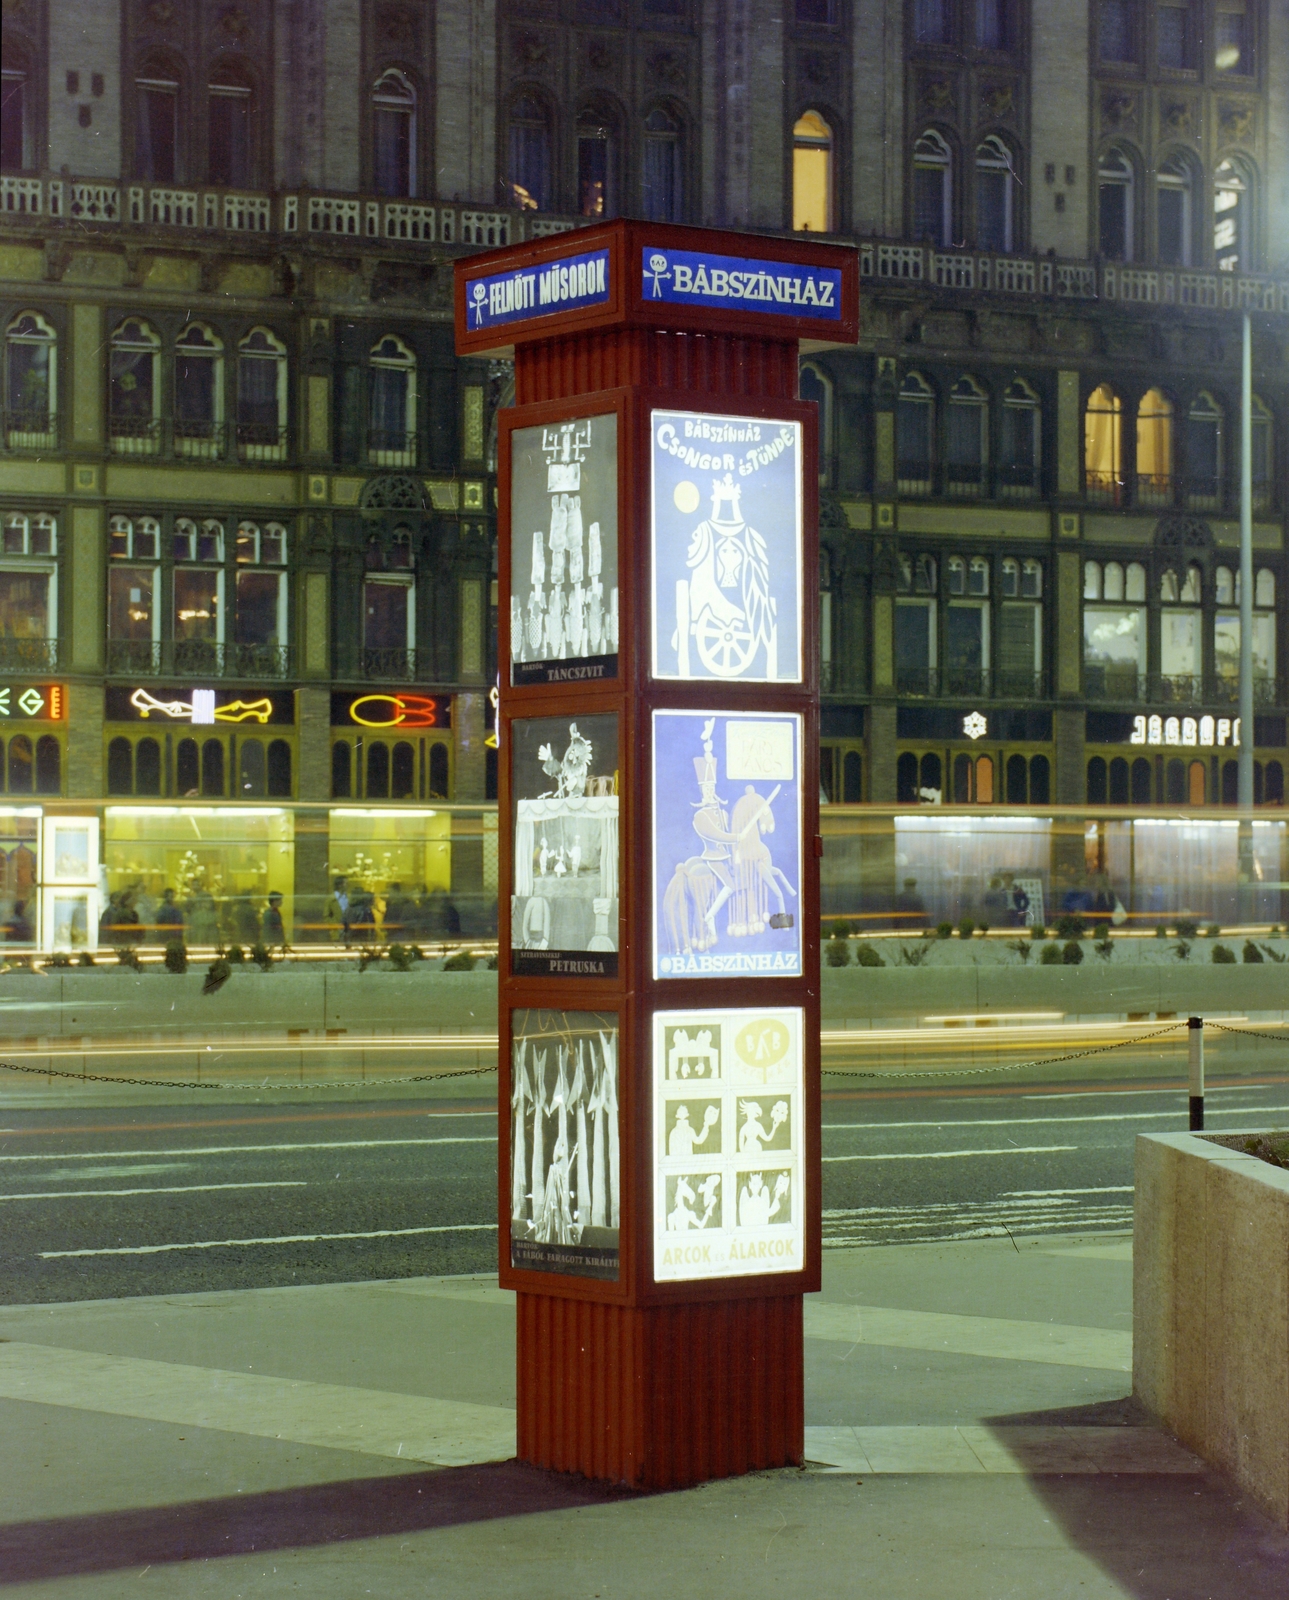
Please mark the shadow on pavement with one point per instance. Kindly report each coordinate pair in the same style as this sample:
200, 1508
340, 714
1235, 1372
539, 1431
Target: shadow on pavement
315, 1514
1160, 1536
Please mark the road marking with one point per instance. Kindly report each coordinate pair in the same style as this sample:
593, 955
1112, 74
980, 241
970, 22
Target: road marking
243, 1149
943, 1155
1007, 1449
284, 1238
1099, 1116
1038, 1194
408, 1427
187, 1188
1050, 1343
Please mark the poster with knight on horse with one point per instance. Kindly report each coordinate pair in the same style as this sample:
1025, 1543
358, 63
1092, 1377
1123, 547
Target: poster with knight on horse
727, 844
726, 537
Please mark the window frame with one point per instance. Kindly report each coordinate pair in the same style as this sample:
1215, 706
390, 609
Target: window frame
134, 434
404, 362
806, 142
406, 105
275, 350
184, 443
31, 652
45, 337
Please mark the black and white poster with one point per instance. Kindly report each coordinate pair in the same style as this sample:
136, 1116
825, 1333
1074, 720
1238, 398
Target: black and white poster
564, 1153
728, 1143
564, 908
564, 551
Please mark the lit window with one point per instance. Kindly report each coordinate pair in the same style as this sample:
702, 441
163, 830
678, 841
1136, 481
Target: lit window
1113, 580
933, 189
1102, 445
28, 592
260, 613
1115, 185
31, 400
1231, 51
1154, 449
1224, 587
1231, 218
1092, 580
156, 130
812, 174
394, 134
530, 154
662, 188
1264, 587
1134, 582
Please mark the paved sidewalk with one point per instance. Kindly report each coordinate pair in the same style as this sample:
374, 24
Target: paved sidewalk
969, 1434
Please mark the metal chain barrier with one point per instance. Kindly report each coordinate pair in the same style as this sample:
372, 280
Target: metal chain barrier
1017, 1066
172, 1083
1253, 1033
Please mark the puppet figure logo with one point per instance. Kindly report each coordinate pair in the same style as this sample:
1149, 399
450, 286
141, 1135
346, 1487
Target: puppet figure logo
735, 866
725, 606
570, 772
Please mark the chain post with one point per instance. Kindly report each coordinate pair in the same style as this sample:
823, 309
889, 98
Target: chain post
1195, 1038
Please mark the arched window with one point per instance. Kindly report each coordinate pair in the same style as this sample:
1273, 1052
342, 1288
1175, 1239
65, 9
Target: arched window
1141, 780
933, 189
1224, 587
662, 193
133, 591
403, 772
156, 130
438, 771
1113, 580
31, 382
1264, 587
995, 196
967, 442
931, 21
1134, 582
1180, 634
1040, 781
1263, 455
1115, 206
199, 391
1103, 445
815, 384
1232, 231
261, 396
1118, 795
1205, 448
915, 435
906, 778
812, 174
597, 163
134, 389
1016, 777
341, 770
212, 767
1174, 225
187, 768
279, 769
391, 404
991, 25
377, 770
1009, 578
1175, 785
16, 112
120, 767
393, 135
251, 779
1018, 470
230, 108
530, 154
1154, 449
147, 766
1031, 580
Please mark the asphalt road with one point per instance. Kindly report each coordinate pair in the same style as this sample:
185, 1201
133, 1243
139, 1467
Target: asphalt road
152, 1199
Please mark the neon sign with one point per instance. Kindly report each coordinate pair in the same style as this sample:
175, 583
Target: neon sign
201, 710
974, 725
33, 702
391, 710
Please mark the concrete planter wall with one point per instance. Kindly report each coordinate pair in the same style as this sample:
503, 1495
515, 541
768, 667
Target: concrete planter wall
1211, 1307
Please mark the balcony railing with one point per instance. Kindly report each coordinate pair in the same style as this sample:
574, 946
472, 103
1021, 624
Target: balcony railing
28, 655
197, 438
398, 665
1113, 683
153, 208
391, 448
1128, 686
30, 430
1154, 489
141, 656
134, 436
205, 658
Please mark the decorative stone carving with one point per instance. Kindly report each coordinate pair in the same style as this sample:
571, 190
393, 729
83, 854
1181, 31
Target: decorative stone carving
998, 100
1178, 117
819, 70
1118, 110
937, 94
600, 55
669, 67
1180, 532
160, 13
531, 50
392, 491
235, 23
397, 25
1236, 121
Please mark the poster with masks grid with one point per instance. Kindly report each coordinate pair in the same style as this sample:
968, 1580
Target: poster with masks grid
728, 1143
564, 551
726, 547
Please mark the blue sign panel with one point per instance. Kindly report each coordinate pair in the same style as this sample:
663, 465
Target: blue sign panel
740, 283
571, 284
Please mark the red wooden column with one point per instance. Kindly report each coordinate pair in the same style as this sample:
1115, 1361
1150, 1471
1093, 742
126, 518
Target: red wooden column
659, 908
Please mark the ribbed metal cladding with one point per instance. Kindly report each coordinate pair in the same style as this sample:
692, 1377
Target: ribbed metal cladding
663, 1396
588, 362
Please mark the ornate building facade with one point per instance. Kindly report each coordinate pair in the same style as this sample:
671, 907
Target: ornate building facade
239, 456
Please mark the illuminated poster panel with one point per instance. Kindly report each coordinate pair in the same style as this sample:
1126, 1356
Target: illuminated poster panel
728, 1196
564, 1143
726, 547
564, 904
564, 551
727, 844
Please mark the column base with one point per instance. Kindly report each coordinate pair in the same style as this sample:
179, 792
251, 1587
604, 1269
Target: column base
664, 1396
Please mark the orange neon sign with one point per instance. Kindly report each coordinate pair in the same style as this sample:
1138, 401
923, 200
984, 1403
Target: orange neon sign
404, 711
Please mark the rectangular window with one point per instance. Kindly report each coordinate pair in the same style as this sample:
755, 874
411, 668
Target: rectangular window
230, 137
131, 613
915, 642
993, 210
1115, 31
1114, 651
965, 463
1231, 44
13, 121
1018, 470
156, 133
931, 21
1174, 37
261, 600
386, 615
913, 431
991, 24
929, 208
1226, 645
966, 649
25, 604
1172, 227
1179, 644
1112, 220
198, 607
1020, 645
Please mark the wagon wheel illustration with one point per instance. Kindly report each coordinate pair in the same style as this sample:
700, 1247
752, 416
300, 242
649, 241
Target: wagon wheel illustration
725, 648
